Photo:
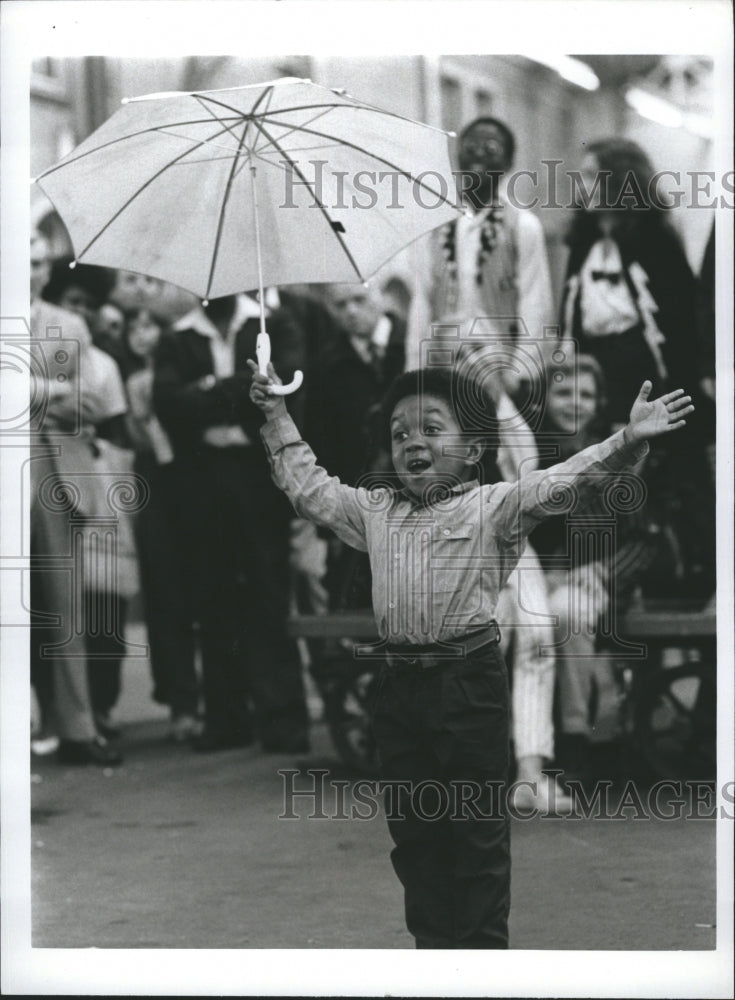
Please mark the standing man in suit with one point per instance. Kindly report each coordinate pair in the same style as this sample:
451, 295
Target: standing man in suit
239, 525
351, 376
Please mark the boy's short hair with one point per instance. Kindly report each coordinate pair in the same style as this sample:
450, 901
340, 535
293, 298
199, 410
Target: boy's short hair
459, 392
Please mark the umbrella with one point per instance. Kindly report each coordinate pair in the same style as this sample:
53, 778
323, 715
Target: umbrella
227, 190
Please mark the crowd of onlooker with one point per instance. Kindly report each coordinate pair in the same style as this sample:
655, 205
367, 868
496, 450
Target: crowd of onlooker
154, 395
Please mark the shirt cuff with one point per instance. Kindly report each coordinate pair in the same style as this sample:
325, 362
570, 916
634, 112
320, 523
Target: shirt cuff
627, 454
278, 433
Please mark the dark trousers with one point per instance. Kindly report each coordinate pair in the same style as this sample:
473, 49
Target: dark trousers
448, 726
243, 600
165, 561
105, 615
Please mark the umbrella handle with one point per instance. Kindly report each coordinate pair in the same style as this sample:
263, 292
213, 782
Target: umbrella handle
263, 354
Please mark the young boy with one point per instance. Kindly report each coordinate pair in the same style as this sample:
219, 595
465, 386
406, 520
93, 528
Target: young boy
441, 547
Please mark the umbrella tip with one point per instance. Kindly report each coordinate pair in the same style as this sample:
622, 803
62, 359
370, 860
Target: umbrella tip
72, 265
452, 135
125, 100
205, 302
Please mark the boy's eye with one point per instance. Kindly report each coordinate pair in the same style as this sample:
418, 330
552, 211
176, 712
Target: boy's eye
432, 429
399, 435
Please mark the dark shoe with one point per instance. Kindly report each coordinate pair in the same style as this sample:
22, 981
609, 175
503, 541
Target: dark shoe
97, 751
573, 757
212, 742
105, 726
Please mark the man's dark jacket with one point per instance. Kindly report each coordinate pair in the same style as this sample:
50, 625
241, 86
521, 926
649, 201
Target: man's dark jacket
186, 408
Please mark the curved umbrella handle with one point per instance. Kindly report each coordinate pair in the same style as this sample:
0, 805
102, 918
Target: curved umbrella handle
263, 354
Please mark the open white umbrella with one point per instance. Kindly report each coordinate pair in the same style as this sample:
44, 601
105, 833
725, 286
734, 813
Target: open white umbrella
277, 183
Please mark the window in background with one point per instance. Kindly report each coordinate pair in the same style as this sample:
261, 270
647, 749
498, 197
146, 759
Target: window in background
48, 79
483, 102
451, 92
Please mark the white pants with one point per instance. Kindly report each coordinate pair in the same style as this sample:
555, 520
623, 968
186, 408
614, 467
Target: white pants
523, 614
588, 691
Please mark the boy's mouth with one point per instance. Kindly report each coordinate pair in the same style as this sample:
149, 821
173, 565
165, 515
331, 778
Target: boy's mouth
418, 464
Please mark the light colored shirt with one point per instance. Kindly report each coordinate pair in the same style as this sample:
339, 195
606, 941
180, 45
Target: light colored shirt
606, 303
516, 280
437, 569
101, 381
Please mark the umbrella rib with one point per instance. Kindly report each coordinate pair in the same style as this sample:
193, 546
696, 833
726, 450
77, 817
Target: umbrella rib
133, 196
353, 105
308, 121
263, 152
134, 135
223, 207
265, 95
323, 210
380, 159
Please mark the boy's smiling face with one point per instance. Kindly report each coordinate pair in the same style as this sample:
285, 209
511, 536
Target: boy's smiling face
427, 445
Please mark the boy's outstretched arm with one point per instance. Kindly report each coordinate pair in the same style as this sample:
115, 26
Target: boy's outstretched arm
652, 418
518, 507
315, 495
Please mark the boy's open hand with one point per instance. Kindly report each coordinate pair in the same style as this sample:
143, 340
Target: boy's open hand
259, 391
659, 416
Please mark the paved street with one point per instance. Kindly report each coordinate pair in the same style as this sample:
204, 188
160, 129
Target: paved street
178, 850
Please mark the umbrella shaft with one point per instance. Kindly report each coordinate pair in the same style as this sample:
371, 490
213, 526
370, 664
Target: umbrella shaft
258, 257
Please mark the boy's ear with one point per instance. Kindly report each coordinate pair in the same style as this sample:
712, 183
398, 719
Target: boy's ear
474, 450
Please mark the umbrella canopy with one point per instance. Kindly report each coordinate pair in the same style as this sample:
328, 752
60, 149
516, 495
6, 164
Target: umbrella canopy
180, 186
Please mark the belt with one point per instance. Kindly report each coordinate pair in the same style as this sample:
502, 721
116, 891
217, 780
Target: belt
439, 655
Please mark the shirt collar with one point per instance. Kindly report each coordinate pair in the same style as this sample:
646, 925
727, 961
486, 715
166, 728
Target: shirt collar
456, 491
245, 308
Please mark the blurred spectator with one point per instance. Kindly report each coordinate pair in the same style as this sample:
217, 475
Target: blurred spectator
237, 520
630, 302
707, 340
591, 572
164, 557
348, 383
62, 458
81, 290
307, 305
630, 294
706, 316
109, 326
351, 376
522, 610
142, 291
491, 262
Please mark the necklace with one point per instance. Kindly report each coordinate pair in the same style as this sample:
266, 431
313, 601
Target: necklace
488, 239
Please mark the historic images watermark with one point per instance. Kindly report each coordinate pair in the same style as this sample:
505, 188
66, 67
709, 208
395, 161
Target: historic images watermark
309, 183
326, 798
